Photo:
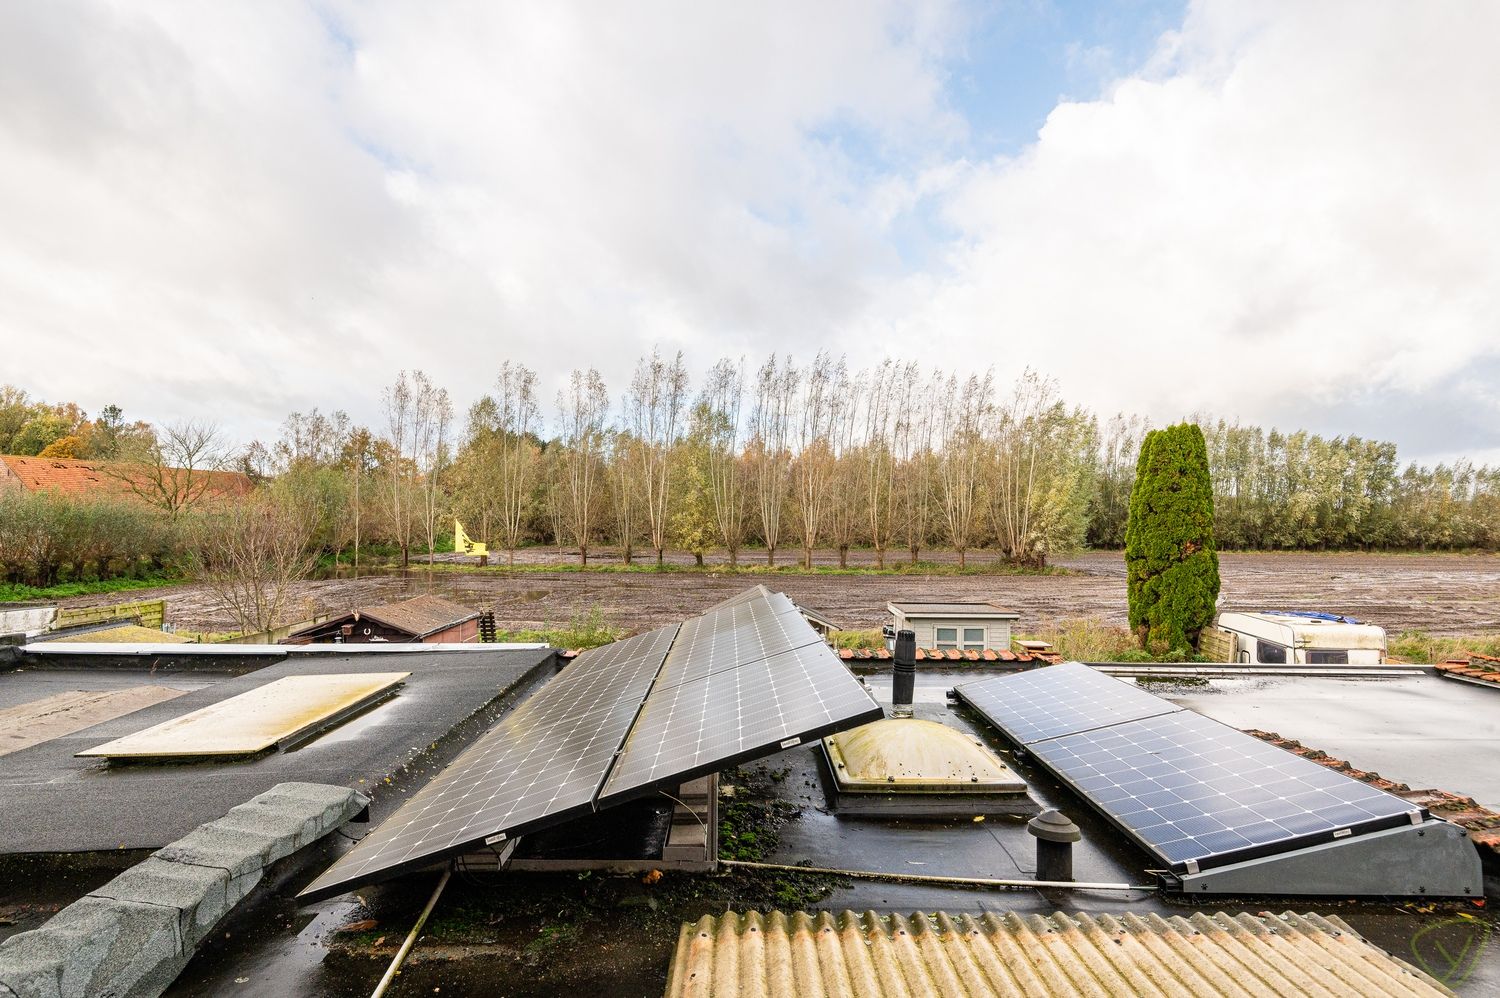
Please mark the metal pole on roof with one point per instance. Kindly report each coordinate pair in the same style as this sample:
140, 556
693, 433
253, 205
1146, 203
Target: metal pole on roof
411, 937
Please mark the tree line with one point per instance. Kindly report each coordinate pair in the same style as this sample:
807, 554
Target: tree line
785, 458
778, 458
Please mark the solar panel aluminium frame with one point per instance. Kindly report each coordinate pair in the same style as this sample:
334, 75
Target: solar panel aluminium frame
632, 778
656, 673
1400, 812
1132, 714
388, 851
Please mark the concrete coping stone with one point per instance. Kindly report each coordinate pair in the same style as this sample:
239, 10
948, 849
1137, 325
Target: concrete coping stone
135, 934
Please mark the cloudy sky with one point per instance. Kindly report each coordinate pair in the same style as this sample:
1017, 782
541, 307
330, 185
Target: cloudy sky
1283, 212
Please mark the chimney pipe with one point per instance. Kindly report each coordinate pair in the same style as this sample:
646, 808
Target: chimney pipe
904, 673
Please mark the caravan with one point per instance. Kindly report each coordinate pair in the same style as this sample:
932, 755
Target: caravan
1296, 637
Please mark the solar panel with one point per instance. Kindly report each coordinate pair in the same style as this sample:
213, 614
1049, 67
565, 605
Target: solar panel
543, 763
749, 678
1059, 700
1197, 792
735, 636
724, 717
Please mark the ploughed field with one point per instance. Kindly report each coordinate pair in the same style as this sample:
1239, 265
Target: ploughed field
1437, 593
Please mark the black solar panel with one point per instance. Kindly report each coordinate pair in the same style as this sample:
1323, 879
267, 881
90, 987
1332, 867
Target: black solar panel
543, 763
722, 718
1059, 700
749, 678
735, 636
1194, 791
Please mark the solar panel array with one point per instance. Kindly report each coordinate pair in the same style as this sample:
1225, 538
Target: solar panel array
1194, 792
544, 762
747, 679
731, 715
1059, 700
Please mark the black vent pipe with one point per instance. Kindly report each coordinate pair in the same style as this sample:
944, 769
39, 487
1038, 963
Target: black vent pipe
904, 673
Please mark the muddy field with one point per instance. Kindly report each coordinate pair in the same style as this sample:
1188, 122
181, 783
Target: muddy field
1441, 594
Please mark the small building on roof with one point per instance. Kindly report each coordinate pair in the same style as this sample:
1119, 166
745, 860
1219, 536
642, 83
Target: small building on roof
419, 620
956, 625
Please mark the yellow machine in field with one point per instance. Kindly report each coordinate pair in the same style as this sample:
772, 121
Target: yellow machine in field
463, 545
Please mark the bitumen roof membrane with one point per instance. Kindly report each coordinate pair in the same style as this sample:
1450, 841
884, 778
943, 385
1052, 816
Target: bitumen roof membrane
56, 803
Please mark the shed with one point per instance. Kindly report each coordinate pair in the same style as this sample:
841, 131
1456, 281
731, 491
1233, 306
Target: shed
421, 619
955, 625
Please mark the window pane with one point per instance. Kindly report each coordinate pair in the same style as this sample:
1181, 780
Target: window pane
1328, 657
1273, 654
946, 634
974, 634
947, 647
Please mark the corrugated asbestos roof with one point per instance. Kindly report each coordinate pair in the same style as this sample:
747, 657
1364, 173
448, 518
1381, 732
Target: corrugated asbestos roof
802, 955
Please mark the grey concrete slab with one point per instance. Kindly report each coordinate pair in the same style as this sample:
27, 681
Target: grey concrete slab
57, 803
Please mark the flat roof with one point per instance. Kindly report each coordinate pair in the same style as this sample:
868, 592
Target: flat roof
56, 803
256, 720
954, 608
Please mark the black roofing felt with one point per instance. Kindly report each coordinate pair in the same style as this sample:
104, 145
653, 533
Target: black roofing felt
54, 802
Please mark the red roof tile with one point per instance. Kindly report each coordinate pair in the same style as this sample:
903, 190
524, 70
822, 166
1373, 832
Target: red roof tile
101, 478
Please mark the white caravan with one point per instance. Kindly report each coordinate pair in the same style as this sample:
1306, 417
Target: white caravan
1290, 637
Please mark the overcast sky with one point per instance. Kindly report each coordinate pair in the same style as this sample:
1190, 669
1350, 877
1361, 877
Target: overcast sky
1284, 212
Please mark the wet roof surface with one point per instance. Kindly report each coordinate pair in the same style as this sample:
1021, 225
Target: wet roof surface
283, 955
54, 802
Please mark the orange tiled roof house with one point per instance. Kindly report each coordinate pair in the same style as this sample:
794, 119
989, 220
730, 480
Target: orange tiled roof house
101, 479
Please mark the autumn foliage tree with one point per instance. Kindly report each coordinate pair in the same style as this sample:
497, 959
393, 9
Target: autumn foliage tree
1172, 565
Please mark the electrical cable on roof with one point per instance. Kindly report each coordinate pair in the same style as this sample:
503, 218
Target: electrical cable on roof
927, 878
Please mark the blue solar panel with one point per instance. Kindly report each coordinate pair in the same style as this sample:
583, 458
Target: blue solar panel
1192, 791
1059, 700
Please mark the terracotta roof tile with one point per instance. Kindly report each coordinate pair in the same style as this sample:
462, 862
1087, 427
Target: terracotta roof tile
77, 478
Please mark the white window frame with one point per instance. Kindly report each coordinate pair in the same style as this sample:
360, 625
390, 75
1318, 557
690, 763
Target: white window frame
969, 644
937, 637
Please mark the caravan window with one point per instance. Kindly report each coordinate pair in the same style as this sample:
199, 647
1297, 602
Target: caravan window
1270, 654
1320, 657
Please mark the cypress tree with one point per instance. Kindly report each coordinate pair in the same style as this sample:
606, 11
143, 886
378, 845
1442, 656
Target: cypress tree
1171, 563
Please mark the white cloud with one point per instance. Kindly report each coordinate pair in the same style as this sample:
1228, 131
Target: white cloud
1287, 214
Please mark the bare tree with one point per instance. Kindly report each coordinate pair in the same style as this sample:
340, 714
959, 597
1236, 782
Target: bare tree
624, 490
654, 413
250, 554
400, 468
877, 452
718, 412
583, 408
519, 420
915, 425
769, 450
846, 511
813, 467
435, 418
963, 413
176, 470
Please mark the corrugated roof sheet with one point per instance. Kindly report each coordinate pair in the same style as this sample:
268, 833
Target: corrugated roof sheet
803, 955
420, 615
